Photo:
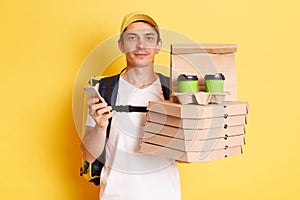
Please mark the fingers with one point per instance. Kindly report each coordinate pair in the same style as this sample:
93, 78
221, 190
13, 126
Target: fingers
94, 106
100, 112
105, 116
100, 106
102, 120
95, 100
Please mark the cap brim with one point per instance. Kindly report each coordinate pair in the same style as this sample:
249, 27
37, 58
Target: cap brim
133, 17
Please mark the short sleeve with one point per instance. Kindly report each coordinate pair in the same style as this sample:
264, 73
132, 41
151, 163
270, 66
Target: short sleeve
89, 120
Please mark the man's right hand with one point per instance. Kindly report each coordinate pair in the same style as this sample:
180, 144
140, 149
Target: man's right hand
100, 112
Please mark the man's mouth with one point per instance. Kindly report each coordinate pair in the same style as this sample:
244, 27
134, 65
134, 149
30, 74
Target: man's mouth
140, 54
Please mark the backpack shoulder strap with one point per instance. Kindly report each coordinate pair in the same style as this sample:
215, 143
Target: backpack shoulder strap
108, 89
165, 85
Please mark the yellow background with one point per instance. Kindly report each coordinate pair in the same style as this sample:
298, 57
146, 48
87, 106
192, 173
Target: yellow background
44, 43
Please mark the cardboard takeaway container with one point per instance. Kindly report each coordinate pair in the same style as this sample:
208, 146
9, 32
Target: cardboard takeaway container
190, 156
194, 145
194, 133
196, 123
197, 116
198, 111
202, 59
167, 118
197, 133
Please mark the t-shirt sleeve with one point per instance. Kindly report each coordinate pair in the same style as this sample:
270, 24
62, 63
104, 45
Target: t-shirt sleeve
89, 120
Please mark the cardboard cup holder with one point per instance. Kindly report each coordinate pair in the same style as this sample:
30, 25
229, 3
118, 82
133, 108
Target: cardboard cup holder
200, 98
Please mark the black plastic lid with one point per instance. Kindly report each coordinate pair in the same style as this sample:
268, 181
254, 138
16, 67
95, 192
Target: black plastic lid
217, 76
184, 77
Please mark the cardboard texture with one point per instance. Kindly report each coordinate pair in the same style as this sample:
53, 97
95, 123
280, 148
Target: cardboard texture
200, 98
196, 123
199, 111
194, 134
194, 145
192, 156
203, 48
202, 59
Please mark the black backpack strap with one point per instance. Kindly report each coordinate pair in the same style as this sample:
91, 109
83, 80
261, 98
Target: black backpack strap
129, 108
108, 89
165, 85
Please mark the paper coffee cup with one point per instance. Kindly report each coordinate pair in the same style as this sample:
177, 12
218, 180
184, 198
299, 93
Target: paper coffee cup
187, 83
214, 82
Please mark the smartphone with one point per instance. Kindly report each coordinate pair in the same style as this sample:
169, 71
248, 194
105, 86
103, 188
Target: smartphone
92, 92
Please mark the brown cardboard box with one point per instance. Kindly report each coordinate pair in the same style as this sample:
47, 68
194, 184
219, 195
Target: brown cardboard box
190, 156
194, 145
202, 59
197, 133
200, 98
196, 123
194, 134
199, 111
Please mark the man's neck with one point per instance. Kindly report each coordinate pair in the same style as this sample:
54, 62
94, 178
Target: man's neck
140, 77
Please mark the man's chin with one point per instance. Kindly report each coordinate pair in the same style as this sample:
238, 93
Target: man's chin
142, 65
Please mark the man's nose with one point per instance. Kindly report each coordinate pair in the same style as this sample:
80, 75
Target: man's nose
140, 43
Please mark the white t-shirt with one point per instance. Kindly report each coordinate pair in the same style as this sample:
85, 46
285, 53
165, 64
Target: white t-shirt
128, 174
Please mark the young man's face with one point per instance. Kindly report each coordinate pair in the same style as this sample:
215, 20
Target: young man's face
140, 44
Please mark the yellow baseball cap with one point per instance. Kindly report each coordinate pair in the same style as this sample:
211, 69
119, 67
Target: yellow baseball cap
136, 16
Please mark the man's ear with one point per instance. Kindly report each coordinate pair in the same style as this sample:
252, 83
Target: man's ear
121, 45
158, 46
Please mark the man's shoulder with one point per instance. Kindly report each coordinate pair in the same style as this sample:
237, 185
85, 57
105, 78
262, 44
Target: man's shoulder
163, 76
165, 81
109, 80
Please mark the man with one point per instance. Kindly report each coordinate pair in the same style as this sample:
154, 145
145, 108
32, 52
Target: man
128, 174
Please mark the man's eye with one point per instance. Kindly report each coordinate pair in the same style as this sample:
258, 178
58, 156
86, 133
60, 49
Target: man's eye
149, 38
132, 38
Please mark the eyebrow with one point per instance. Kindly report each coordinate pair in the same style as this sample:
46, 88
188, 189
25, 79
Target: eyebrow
135, 34
149, 34
132, 34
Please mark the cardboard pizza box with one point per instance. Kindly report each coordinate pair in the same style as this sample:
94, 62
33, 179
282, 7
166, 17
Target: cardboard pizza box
189, 156
202, 59
194, 145
196, 123
199, 111
194, 134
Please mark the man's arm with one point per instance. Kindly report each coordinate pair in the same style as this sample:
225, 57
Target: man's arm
93, 141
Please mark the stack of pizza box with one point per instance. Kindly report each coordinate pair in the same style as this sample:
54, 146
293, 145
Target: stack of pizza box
194, 133
197, 132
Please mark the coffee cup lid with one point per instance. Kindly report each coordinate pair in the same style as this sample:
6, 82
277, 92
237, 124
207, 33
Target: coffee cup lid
217, 76
184, 77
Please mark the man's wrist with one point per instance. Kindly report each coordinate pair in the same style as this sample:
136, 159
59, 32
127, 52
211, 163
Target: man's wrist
100, 128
